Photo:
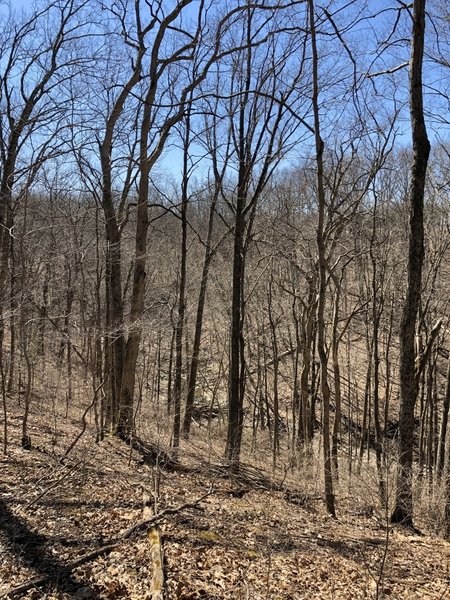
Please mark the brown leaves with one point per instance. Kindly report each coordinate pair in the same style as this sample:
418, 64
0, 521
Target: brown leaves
259, 546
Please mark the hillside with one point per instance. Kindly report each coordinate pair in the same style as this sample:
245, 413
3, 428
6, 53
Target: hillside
238, 540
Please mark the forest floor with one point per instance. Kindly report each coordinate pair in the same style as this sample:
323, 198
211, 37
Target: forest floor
238, 541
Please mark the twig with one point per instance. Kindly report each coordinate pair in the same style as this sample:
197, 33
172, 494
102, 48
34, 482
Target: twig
83, 422
388, 71
53, 485
167, 511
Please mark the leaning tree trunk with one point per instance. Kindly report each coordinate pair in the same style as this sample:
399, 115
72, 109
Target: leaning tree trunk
409, 382
192, 381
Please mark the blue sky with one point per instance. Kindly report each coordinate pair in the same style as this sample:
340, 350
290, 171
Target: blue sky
431, 73
20, 3
16, 4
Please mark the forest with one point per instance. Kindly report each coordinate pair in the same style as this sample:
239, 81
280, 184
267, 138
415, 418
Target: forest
224, 299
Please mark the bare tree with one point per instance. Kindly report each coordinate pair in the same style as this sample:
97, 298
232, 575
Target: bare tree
175, 70
321, 347
409, 382
214, 189
263, 125
37, 62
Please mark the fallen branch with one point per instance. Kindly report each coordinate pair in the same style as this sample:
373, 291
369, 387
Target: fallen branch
106, 549
53, 485
39, 581
159, 516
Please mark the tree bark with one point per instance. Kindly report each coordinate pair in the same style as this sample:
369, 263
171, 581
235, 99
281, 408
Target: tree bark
177, 390
409, 382
192, 381
444, 425
321, 346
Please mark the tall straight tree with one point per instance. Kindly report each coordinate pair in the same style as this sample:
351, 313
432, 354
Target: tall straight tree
105, 150
409, 380
321, 345
115, 217
264, 115
151, 144
186, 137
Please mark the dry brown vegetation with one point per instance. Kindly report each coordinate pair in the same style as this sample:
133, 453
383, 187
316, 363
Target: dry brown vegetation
241, 541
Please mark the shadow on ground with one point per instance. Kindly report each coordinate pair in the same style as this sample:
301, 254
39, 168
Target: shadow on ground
30, 549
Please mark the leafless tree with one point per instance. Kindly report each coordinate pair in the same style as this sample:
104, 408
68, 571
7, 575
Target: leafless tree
403, 511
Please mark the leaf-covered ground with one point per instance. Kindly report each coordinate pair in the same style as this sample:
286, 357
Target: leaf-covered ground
241, 541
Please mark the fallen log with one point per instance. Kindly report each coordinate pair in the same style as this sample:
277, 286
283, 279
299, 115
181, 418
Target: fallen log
156, 552
157, 556
152, 454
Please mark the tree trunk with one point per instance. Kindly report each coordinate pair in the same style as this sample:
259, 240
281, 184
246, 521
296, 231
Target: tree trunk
409, 383
177, 388
115, 350
13, 293
322, 265
444, 425
192, 381
337, 382
276, 408
377, 310
447, 475
235, 400
126, 421
305, 426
